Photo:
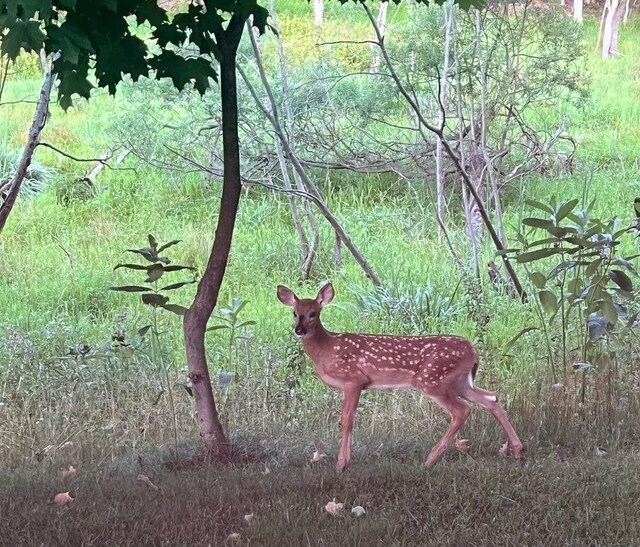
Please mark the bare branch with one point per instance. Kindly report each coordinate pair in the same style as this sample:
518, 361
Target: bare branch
37, 125
74, 158
356, 42
271, 115
449, 150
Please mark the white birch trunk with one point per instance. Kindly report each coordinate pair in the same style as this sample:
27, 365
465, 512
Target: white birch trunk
318, 12
612, 15
577, 11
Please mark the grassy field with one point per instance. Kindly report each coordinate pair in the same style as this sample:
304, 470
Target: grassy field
70, 396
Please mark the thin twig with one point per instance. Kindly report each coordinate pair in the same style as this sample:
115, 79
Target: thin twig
74, 158
4, 77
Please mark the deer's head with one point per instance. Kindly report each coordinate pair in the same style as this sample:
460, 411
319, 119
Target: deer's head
306, 311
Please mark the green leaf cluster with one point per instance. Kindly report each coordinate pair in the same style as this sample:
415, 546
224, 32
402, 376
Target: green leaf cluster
588, 279
157, 267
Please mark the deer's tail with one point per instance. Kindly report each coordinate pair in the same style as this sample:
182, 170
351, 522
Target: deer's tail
471, 379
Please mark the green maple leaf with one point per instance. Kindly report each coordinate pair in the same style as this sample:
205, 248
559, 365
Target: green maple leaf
246, 8
182, 71
73, 80
28, 9
8, 13
136, 64
124, 57
169, 34
96, 34
70, 40
198, 27
260, 16
22, 35
150, 11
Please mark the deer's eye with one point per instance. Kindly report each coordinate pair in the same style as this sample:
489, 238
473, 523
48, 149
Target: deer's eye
295, 314
312, 314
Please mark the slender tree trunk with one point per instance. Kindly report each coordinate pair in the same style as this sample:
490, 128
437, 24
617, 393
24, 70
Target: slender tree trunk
311, 246
488, 169
297, 224
469, 211
195, 320
619, 15
443, 98
337, 250
382, 24
612, 15
4, 72
37, 125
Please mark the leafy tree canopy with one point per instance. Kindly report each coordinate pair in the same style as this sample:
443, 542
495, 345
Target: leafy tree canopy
103, 38
100, 40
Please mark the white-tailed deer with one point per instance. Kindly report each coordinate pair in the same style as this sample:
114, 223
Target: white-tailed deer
442, 367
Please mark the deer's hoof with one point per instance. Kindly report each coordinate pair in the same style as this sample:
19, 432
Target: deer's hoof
431, 460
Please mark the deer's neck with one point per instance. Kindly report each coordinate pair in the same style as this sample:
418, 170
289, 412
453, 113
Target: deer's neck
316, 345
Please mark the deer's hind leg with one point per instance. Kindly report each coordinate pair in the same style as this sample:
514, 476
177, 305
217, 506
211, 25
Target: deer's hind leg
459, 413
488, 400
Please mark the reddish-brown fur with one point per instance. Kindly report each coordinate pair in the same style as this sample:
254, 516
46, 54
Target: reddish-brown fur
441, 366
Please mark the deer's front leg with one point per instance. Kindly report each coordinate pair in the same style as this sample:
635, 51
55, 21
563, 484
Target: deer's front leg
351, 396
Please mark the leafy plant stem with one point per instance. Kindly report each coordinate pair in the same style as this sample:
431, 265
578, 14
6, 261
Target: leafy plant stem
157, 351
564, 314
545, 331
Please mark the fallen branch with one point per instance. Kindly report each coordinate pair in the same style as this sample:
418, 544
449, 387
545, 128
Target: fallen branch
90, 177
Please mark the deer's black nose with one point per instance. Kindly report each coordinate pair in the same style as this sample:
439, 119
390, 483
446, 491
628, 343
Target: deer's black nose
300, 331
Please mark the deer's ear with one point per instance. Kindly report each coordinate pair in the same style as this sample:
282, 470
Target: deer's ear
325, 295
286, 296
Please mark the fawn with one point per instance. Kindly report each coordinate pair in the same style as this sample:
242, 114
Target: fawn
441, 366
